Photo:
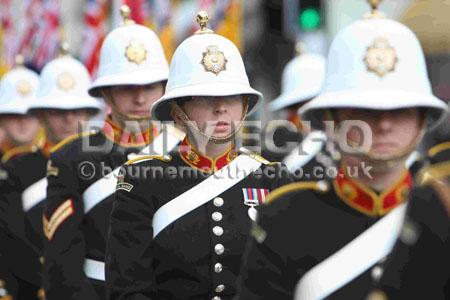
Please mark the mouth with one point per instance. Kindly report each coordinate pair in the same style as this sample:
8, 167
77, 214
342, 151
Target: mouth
140, 113
222, 126
383, 146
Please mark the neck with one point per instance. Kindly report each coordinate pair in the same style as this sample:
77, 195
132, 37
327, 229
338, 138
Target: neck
214, 150
376, 176
130, 125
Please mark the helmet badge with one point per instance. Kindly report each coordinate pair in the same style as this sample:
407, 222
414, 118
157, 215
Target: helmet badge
381, 57
65, 81
23, 87
136, 52
214, 60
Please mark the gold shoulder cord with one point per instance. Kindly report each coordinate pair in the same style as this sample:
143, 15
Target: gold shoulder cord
70, 139
164, 158
319, 186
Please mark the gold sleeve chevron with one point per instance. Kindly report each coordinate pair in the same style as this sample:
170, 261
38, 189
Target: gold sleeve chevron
320, 186
64, 211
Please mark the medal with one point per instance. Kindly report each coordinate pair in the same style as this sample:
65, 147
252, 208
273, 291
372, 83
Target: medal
253, 197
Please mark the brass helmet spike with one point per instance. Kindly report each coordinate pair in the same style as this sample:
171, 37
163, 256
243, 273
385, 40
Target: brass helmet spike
300, 48
375, 13
19, 60
202, 20
64, 48
125, 12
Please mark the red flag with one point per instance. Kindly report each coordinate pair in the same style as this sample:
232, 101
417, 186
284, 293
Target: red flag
94, 33
139, 10
7, 36
32, 15
47, 38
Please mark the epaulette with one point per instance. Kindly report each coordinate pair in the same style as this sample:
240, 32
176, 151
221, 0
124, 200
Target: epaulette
18, 151
436, 171
320, 186
141, 158
70, 139
438, 148
257, 157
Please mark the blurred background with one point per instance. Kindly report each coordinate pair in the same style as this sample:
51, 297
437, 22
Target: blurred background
266, 31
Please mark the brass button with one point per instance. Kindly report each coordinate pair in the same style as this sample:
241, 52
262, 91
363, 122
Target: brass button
218, 202
219, 249
218, 267
216, 216
376, 273
220, 288
377, 295
217, 230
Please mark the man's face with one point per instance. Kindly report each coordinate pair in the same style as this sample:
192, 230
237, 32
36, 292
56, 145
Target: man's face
134, 100
20, 129
215, 116
60, 124
392, 131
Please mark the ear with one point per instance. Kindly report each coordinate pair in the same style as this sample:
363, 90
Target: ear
106, 95
175, 116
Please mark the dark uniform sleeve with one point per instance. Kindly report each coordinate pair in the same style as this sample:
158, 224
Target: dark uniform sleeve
419, 267
129, 273
64, 244
21, 257
268, 272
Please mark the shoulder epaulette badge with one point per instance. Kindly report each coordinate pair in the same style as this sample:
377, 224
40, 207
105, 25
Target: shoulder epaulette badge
319, 186
433, 172
257, 157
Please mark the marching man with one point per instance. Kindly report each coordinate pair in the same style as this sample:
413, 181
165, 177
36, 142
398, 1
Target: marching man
301, 81
329, 239
18, 88
181, 234
17, 91
81, 178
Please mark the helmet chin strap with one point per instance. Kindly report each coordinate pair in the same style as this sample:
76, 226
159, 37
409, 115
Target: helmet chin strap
193, 128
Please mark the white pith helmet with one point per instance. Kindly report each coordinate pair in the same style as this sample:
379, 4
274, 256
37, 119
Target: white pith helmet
205, 64
131, 54
63, 85
301, 80
18, 89
375, 63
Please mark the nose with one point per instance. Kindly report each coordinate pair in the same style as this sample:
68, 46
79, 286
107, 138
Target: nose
220, 106
140, 96
70, 116
385, 121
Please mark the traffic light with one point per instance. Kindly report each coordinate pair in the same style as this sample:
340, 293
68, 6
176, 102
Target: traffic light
310, 15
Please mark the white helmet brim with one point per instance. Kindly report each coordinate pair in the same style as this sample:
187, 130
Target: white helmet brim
161, 108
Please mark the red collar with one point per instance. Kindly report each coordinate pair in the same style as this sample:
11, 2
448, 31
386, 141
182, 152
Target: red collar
367, 201
6, 146
43, 144
199, 161
120, 136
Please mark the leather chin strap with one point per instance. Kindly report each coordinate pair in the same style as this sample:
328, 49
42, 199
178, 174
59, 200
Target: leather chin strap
193, 128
